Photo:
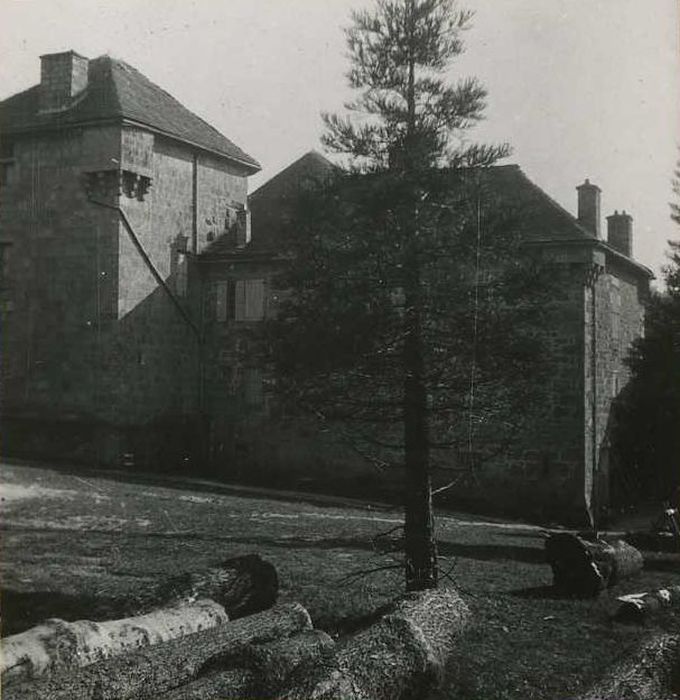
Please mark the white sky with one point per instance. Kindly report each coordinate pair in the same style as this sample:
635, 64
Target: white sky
580, 88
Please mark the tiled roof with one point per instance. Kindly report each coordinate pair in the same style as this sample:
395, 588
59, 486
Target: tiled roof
540, 219
117, 91
271, 205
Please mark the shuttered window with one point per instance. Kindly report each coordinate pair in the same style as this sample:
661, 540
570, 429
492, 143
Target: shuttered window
253, 300
240, 300
222, 302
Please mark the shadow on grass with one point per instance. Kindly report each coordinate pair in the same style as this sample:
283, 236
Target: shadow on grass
482, 552
21, 610
542, 593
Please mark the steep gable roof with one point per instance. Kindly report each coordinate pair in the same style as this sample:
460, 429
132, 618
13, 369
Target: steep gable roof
116, 91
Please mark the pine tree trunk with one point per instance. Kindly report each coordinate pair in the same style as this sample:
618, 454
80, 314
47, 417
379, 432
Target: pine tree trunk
147, 674
420, 546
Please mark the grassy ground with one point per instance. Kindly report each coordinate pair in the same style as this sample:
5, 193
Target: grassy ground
70, 540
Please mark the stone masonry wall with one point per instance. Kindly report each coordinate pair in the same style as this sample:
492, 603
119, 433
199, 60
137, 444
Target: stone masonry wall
63, 282
92, 339
619, 313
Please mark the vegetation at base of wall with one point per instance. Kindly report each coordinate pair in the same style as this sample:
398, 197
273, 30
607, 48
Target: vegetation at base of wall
647, 438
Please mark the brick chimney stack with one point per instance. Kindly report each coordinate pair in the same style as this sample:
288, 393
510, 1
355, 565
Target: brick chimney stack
63, 76
620, 232
589, 207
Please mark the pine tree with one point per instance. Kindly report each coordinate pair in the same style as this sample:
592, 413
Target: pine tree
390, 330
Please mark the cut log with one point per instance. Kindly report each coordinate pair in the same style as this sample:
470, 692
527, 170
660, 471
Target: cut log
584, 568
651, 673
242, 586
638, 606
258, 672
149, 672
57, 645
402, 656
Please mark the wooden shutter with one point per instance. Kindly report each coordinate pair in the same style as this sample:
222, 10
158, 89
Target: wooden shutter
221, 301
240, 300
254, 300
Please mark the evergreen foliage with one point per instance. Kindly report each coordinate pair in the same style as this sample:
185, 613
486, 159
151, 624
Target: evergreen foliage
647, 433
390, 330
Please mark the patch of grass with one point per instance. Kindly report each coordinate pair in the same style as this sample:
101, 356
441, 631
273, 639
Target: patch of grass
71, 544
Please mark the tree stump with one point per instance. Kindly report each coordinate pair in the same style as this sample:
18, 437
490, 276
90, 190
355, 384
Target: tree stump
150, 672
584, 568
400, 657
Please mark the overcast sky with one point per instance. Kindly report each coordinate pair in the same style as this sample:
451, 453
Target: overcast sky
579, 88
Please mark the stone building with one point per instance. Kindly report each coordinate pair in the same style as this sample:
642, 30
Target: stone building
131, 277
561, 464
101, 321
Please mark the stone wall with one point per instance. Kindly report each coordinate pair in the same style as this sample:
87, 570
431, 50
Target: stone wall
62, 276
620, 300
95, 350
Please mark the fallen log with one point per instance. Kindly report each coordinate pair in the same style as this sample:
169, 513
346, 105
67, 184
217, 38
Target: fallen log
401, 656
635, 607
57, 645
149, 672
241, 585
584, 568
651, 673
259, 671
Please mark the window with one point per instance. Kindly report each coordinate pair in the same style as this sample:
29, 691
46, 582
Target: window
240, 300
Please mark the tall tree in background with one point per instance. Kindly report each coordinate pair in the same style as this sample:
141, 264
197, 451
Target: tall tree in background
384, 327
646, 434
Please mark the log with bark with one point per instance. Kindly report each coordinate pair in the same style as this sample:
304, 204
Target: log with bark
152, 671
636, 607
241, 585
258, 672
57, 645
401, 656
651, 673
584, 568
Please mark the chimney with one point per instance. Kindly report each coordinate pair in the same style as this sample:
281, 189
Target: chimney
589, 207
620, 232
63, 76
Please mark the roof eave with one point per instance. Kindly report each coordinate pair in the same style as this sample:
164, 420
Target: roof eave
594, 242
252, 165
